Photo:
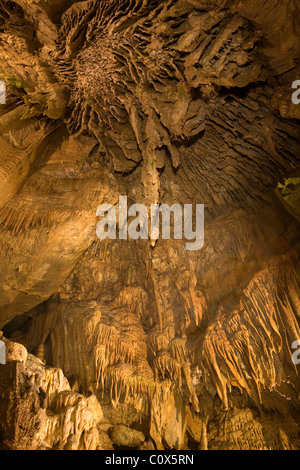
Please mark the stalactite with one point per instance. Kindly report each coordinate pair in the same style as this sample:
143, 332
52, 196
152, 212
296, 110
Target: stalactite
174, 102
230, 349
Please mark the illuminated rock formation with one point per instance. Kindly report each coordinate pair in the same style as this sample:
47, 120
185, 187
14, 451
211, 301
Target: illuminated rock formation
133, 344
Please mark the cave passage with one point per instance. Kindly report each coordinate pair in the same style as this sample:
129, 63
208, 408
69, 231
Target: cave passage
114, 337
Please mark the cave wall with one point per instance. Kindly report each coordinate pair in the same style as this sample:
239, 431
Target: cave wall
148, 345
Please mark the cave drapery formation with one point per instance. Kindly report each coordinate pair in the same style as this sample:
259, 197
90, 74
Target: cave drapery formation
122, 344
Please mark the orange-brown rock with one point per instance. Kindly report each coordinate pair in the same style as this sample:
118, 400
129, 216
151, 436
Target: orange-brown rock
139, 344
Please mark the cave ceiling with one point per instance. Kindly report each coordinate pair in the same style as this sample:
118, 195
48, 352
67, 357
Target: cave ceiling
128, 343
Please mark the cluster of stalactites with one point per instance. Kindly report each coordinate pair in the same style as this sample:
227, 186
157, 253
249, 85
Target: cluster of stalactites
248, 347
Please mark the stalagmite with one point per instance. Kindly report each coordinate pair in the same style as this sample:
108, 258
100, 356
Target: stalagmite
144, 344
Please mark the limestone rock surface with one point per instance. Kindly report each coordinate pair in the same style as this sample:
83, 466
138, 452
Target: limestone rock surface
128, 343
